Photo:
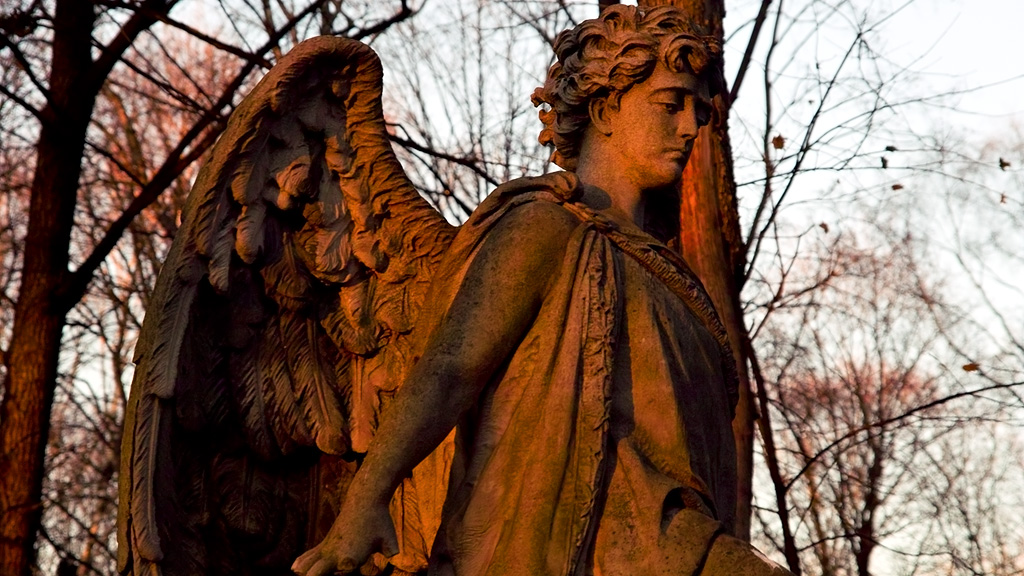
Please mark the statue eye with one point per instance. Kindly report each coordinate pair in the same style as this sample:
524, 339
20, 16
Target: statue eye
671, 107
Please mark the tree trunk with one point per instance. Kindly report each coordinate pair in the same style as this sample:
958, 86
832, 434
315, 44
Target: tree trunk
40, 312
711, 243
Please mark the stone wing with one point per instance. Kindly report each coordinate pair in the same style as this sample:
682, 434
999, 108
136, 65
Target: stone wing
281, 320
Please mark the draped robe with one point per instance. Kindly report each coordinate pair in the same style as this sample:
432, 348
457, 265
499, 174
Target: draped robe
603, 445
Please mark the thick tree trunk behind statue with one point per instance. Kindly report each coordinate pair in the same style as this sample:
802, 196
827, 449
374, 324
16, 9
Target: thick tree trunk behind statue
40, 311
711, 243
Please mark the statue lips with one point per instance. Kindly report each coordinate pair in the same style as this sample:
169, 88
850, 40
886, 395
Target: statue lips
680, 156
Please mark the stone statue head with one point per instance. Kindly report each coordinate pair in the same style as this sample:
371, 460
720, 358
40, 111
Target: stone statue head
605, 57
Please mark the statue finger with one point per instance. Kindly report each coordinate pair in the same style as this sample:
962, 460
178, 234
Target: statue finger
304, 563
325, 567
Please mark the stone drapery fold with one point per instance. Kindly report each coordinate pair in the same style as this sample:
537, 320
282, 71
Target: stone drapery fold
531, 459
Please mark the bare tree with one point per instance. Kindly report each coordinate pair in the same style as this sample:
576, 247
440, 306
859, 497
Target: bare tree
876, 427
463, 130
57, 81
821, 141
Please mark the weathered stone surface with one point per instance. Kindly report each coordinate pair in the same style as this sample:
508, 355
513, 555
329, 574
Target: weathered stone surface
550, 374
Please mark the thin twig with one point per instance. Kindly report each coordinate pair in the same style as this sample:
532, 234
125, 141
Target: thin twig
23, 62
470, 162
39, 115
882, 423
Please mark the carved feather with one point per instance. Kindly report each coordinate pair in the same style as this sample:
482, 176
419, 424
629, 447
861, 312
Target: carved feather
302, 262
313, 380
146, 443
247, 382
288, 421
160, 369
220, 244
250, 233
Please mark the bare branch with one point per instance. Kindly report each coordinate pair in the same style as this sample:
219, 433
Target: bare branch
762, 14
471, 162
771, 457
234, 50
19, 57
404, 13
43, 119
111, 54
905, 415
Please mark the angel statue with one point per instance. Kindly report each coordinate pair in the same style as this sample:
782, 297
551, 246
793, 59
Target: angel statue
328, 367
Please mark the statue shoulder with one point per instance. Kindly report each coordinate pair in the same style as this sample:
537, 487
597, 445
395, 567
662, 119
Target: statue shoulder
530, 212
536, 227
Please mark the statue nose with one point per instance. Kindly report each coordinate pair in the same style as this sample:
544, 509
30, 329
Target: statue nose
687, 127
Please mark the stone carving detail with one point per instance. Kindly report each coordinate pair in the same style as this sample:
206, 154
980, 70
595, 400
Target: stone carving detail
280, 322
315, 309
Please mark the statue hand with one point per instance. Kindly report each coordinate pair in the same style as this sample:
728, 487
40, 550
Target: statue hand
350, 542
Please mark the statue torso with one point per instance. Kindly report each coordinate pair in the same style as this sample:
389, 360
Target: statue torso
613, 404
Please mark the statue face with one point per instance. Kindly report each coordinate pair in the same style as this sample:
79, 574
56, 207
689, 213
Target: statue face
653, 129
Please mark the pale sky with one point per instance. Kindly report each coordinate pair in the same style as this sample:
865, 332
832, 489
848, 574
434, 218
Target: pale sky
973, 43
951, 44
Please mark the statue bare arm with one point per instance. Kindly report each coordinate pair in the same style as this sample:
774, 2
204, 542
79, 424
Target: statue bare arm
498, 299
489, 315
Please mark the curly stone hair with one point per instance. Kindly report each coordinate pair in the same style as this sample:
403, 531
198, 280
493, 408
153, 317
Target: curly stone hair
605, 57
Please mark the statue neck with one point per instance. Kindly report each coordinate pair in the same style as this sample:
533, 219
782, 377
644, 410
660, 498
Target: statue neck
610, 192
